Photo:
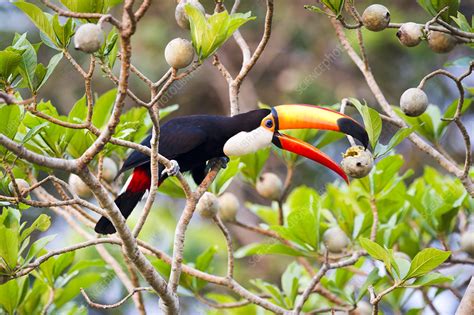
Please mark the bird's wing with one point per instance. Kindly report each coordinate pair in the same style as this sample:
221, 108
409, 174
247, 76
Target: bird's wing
136, 158
180, 138
175, 139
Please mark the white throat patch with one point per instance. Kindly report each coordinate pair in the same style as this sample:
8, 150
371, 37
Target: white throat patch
248, 142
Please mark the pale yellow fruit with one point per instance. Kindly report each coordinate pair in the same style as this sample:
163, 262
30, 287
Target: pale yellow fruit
79, 187
410, 34
228, 206
376, 17
22, 185
440, 42
208, 205
357, 162
269, 186
414, 102
179, 53
335, 240
180, 13
109, 170
467, 242
88, 38
363, 308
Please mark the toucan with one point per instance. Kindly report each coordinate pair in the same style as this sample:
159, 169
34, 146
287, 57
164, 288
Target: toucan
192, 141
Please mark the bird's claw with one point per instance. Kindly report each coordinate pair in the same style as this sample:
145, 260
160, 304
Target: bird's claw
173, 170
223, 160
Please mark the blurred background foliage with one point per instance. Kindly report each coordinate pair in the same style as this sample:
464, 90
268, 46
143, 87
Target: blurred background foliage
303, 63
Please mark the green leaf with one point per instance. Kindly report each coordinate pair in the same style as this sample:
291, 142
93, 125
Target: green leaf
304, 225
51, 140
327, 138
397, 138
9, 246
427, 124
451, 110
9, 296
290, 282
345, 293
270, 290
172, 187
204, 260
335, 6
254, 164
10, 119
84, 264
134, 126
225, 177
62, 262
378, 252
63, 32
301, 198
164, 112
28, 65
267, 214
10, 59
42, 223
72, 289
39, 19
425, 261
203, 263
434, 6
403, 266
37, 246
33, 132
208, 34
463, 24
87, 6
372, 121
53, 62
314, 8
40, 73
103, 108
266, 249
303, 219
371, 279
431, 279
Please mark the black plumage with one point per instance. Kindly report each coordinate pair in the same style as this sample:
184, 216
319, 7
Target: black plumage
189, 140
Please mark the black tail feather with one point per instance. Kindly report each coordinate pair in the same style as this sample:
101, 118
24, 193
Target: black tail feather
126, 202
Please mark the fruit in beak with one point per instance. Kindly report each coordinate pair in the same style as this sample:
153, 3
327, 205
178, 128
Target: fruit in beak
311, 117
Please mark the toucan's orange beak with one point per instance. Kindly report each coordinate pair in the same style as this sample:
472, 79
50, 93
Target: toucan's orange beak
307, 150
312, 117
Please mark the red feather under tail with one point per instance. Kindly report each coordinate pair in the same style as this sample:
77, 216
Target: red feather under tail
127, 201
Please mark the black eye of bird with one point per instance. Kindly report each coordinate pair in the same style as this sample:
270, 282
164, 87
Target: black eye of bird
269, 123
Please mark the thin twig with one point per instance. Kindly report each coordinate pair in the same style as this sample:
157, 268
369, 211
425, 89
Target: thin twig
375, 216
115, 305
414, 138
182, 225
230, 250
221, 305
234, 87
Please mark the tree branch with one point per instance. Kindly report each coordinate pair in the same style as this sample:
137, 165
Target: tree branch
115, 305
414, 138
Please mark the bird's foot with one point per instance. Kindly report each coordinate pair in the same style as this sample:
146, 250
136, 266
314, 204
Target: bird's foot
223, 160
173, 170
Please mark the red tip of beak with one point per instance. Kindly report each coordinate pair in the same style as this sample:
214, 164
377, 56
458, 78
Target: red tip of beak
307, 150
